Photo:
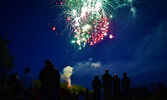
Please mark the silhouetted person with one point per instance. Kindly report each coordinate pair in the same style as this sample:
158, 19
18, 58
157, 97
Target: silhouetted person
37, 96
81, 95
126, 87
161, 91
13, 88
96, 84
145, 90
133, 92
27, 79
65, 95
116, 87
28, 83
3, 92
62, 94
87, 94
50, 82
74, 95
107, 85
141, 91
137, 92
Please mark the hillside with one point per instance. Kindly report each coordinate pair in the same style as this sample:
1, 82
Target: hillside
74, 87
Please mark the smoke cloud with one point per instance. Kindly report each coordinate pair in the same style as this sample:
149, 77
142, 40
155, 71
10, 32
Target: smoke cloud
66, 74
132, 9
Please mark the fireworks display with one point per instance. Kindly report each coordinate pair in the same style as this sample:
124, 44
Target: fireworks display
89, 19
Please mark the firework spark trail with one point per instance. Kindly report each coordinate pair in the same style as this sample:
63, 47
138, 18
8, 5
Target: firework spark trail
90, 23
90, 18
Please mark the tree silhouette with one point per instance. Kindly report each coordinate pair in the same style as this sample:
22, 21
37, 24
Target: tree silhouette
6, 59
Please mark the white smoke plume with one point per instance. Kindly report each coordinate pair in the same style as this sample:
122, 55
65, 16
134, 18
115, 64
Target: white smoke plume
66, 74
132, 9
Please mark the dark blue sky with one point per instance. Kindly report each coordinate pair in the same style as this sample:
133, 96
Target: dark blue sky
139, 47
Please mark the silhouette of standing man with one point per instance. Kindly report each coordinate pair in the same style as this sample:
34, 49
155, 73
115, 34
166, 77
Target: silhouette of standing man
28, 83
107, 85
96, 84
126, 87
50, 79
116, 87
27, 79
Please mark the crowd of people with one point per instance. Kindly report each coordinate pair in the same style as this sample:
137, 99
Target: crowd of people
111, 87
49, 77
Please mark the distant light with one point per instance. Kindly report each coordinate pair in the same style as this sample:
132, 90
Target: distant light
111, 16
86, 27
110, 36
130, 0
78, 42
72, 41
74, 12
54, 28
91, 44
68, 19
105, 34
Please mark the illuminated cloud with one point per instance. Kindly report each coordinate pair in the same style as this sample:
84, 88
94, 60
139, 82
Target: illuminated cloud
96, 65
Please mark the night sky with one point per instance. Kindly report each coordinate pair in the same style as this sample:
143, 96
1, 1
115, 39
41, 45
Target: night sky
139, 46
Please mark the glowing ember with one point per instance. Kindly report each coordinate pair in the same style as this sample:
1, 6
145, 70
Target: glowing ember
54, 28
110, 36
